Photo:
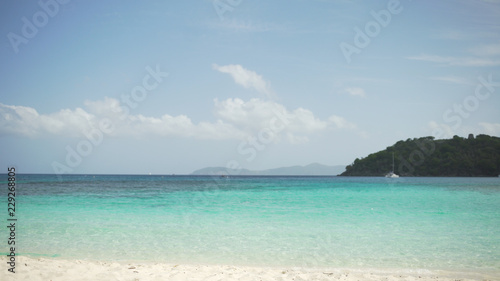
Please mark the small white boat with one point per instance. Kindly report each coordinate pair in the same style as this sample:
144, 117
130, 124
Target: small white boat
392, 174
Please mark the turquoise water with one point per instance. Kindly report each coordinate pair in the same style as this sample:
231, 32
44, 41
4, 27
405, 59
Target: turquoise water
432, 223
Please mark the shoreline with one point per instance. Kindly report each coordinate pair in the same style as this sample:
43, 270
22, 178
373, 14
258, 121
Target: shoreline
28, 268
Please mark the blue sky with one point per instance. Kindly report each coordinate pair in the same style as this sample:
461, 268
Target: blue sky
174, 86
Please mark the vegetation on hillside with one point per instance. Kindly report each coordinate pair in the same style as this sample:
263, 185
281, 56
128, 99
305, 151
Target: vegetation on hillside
457, 157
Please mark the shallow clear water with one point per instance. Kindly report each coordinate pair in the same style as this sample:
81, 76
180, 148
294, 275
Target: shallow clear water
433, 223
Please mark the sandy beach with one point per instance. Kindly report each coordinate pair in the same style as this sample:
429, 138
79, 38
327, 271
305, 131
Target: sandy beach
34, 269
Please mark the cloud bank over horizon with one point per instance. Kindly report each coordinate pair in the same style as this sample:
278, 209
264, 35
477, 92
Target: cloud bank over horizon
236, 119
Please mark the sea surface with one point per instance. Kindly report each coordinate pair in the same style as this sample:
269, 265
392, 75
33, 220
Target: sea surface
344, 222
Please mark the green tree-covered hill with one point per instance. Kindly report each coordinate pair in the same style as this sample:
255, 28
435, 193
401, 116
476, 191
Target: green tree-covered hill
457, 157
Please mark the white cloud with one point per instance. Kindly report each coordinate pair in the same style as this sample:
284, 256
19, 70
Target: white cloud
235, 119
453, 79
245, 77
249, 114
106, 107
10, 116
355, 91
487, 50
341, 123
235, 25
474, 35
453, 34
293, 139
303, 120
454, 61
491, 128
256, 114
441, 131
26, 121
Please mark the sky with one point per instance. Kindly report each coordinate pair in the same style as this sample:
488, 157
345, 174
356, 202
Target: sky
168, 87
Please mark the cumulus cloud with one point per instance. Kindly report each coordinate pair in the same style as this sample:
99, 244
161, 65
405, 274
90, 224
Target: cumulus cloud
355, 91
246, 78
256, 114
235, 119
341, 123
22, 120
26, 121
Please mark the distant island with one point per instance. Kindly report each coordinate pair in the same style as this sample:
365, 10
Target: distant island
426, 157
314, 169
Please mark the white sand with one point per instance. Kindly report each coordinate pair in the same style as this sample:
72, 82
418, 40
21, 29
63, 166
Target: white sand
54, 269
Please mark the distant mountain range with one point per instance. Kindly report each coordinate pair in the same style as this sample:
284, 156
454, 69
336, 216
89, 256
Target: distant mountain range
314, 169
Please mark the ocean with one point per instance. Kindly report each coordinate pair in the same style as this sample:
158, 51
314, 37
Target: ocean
341, 222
